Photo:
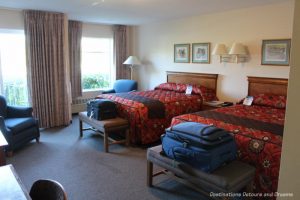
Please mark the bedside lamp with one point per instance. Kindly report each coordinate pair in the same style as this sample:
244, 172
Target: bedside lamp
131, 61
220, 50
238, 50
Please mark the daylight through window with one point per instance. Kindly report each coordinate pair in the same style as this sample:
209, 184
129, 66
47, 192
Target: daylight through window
96, 63
13, 79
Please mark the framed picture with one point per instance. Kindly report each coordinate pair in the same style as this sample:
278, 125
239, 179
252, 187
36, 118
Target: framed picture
182, 53
276, 52
201, 53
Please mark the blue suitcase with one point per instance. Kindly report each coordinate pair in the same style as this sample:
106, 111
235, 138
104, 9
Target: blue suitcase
101, 109
202, 146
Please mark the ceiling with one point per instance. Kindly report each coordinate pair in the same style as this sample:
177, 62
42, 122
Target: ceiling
132, 12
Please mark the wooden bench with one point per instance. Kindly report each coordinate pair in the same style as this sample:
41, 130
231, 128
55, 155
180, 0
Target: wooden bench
230, 178
105, 127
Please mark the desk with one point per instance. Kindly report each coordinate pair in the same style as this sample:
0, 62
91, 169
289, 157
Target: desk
3, 143
11, 187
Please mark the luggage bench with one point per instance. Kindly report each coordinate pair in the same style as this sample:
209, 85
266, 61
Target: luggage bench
229, 178
105, 127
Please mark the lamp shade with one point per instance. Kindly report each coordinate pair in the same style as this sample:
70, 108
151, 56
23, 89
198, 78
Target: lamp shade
238, 49
132, 60
220, 49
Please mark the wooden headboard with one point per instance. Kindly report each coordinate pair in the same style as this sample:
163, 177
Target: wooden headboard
258, 85
207, 80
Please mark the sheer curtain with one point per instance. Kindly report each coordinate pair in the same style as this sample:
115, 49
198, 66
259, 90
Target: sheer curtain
120, 51
75, 35
48, 67
13, 85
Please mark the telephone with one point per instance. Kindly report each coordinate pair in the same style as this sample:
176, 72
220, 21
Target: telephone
226, 104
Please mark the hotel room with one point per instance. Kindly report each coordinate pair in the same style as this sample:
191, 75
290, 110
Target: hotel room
192, 61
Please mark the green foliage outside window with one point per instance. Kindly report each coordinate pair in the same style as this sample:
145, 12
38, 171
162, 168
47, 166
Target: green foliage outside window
16, 93
94, 81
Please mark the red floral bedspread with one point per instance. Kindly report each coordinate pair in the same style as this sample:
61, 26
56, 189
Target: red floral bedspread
259, 148
144, 130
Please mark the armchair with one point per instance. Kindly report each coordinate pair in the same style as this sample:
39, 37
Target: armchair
122, 85
17, 125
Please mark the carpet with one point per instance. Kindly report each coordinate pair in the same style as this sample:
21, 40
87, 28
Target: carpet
87, 173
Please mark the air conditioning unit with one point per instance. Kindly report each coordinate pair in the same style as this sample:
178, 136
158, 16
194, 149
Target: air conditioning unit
79, 104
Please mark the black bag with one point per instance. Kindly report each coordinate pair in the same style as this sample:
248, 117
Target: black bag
202, 146
101, 109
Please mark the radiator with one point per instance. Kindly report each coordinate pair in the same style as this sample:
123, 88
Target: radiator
79, 104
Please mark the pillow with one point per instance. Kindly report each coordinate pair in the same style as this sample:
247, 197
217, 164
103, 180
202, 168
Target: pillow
270, 100
177, 87
206, 93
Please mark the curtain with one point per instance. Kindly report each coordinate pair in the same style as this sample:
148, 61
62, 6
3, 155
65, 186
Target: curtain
75, 35
48, 67
120, 51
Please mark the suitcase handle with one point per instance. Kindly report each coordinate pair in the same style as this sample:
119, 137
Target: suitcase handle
178, 155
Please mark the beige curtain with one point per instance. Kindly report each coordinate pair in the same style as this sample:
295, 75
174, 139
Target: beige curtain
48, 67
75, 35
120, 51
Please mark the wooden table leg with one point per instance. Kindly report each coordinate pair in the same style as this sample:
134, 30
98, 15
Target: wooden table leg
80, 128
106, 142
2, 157
127, 135
149, 173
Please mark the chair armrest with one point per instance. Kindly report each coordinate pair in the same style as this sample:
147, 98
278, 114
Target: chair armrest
109, 91
16, 112
3, 128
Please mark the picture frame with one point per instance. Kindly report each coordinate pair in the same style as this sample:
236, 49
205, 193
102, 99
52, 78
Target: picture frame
276, 52
181, 53
201, 53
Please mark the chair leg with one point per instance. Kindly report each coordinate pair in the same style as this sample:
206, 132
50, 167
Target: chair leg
80, 128
149, 173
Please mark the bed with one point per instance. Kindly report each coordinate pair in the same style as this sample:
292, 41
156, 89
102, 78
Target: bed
150, 112
257, 129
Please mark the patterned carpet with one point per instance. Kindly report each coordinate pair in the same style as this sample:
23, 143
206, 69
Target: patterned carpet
87, 173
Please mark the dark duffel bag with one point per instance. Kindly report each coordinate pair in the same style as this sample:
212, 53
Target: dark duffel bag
202, 146
101, 109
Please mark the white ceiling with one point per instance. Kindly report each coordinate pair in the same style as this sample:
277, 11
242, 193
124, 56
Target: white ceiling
132, 12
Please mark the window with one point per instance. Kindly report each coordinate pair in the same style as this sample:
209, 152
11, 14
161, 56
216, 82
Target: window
13, 78
96, 63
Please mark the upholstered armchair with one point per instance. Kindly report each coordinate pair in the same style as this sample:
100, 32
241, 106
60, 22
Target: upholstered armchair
17, 125
122, 85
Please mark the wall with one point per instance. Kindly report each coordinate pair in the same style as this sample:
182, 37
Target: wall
249, 26
289, 178
11, 19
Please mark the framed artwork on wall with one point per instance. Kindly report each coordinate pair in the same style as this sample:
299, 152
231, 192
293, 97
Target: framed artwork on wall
276, 52
182, 53
201, 53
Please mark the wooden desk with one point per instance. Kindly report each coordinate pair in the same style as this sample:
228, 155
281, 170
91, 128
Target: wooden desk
11, 187
3, 143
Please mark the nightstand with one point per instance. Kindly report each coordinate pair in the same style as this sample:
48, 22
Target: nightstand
215, 104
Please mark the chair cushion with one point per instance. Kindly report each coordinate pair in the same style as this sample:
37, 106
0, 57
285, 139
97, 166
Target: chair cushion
18, 124
124, 85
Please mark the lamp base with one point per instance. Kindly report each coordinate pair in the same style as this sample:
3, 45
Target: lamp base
131, 72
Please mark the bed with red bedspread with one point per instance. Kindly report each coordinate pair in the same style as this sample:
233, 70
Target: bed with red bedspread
258, 131
144, 128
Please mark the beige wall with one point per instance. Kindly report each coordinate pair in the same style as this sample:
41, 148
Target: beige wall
11, 19
249, 26
289, 178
